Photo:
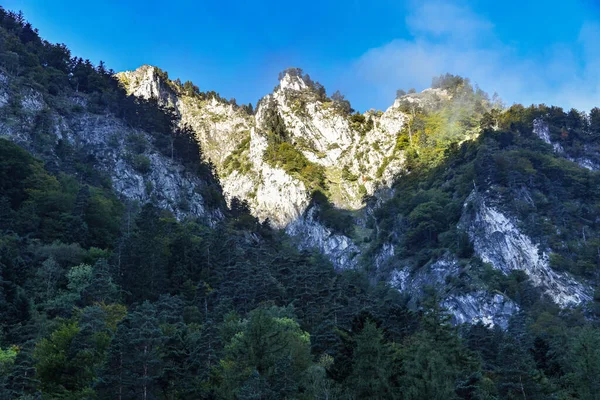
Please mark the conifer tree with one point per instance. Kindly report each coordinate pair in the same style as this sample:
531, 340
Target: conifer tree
370, 364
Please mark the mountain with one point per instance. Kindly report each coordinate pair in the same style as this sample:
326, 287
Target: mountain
303, 162
156, 238
297, 142
307, 164
327, 136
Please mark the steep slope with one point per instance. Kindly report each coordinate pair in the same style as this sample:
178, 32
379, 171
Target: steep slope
297, 142
503, 222
63, 130
300, 142
349, 148
587, 157
499, 242
391, 192
123, 273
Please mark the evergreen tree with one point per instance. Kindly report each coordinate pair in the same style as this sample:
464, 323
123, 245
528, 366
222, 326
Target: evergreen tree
101, 288
370, 364
144, 264
584, 364
517, 371
22, 379
270, 347
78, 225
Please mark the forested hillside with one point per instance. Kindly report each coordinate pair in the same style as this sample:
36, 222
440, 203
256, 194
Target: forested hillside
125, 274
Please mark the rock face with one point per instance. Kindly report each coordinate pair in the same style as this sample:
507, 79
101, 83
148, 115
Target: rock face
272, 193
104, 138
476, 306
481, 307
497, 240
219, 126
325, 134
358, 154
310, 234
590, 160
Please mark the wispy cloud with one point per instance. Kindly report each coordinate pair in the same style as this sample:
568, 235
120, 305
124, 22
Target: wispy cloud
451, 38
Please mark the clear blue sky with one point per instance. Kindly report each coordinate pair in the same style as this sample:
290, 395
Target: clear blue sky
528, 51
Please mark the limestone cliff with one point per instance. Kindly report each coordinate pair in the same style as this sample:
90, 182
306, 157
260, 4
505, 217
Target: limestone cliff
105, 141
360, 156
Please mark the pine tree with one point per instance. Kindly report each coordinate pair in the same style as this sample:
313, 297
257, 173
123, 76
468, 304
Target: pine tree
22, 379
48, 276
370, 364
272, 344
134, 363
584, 363
101, 288
144, 262
78, 226
516, 370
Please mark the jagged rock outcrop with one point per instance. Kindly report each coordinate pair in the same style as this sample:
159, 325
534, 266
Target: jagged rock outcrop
325, 134
498, 241
272, 193
358, 154
219, 126
104, 139
472, 307
542, 130
309, 233
490, 309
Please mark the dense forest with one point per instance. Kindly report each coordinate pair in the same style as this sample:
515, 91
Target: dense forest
103, 298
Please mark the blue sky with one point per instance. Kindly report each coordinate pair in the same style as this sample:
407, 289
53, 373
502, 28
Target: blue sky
528, 51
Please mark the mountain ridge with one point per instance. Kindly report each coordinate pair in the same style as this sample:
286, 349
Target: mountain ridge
327, 133
467, 265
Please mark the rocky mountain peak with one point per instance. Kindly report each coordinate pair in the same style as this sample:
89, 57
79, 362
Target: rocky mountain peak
292, 79
428, 99
148, 82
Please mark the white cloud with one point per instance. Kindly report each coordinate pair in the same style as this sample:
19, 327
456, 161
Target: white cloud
449, 38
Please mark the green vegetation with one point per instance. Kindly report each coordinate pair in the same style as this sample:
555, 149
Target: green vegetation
51, 70
238, 159
140, 302
341, 103
339, 221
448, 82
525, 178
435, 124
286, 156
283, 154
140, 163
58, 208
361, 123
315, 87
347, 175
102, 299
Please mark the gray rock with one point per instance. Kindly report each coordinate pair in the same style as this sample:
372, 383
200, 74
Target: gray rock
497, 240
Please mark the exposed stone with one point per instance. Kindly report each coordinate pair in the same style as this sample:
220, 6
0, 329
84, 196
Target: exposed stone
472, 307
480, 307
310, 234
542, 130
497, 240
104, 139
